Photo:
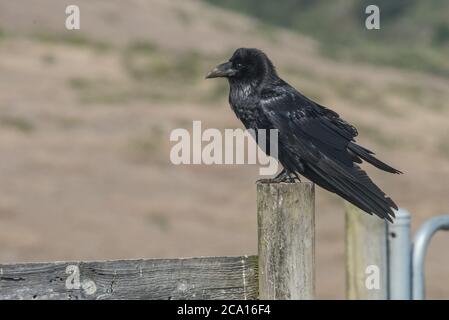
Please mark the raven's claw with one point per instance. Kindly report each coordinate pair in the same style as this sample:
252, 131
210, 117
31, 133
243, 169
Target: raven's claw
283, 176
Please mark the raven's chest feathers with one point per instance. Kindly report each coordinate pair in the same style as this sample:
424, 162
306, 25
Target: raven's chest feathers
245, 102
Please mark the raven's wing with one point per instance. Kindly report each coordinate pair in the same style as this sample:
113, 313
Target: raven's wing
308, 135
356, 151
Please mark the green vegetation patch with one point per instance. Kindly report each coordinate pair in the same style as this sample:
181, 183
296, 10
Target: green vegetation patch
72, 39
18, 123
413, 34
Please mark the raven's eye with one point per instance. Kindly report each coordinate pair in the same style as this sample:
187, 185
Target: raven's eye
239, 65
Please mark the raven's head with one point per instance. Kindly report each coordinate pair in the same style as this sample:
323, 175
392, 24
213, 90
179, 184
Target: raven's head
245, 65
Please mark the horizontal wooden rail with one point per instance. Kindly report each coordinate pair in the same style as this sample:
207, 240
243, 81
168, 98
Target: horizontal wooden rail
190, 278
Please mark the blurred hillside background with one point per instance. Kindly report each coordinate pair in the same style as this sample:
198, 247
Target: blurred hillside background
85, 118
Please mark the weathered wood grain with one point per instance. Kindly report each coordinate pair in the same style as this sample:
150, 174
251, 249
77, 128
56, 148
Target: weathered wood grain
286, 240
366, 256
190, 278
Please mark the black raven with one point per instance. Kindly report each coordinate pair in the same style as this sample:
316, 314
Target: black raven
313, 140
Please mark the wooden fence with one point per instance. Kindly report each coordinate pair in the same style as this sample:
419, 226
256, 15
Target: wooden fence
366, 256
283, 269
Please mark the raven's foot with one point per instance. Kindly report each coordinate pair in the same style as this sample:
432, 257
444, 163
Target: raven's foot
283, 176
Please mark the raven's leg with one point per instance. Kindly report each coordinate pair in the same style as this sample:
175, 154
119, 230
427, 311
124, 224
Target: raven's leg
283, 176
295, 177
289, 177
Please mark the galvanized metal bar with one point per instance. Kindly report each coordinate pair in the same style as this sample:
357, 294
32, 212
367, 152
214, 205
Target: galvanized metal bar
420, 244
399, 251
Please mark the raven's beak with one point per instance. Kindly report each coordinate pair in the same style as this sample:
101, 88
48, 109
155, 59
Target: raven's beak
222, 70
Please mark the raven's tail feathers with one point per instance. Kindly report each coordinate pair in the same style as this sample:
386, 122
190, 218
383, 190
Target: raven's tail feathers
368, 156
354, 186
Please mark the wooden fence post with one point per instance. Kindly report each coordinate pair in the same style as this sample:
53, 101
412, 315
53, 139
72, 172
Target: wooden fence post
366, 256
286, 245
